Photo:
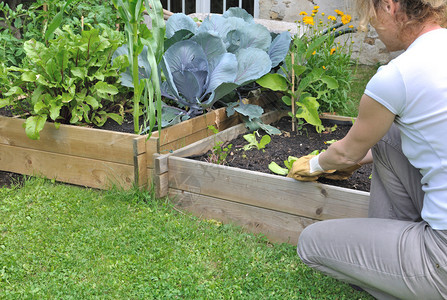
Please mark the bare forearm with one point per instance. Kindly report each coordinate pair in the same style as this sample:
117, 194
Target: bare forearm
339, 157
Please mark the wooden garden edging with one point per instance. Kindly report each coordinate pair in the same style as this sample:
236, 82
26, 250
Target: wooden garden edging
276, 206
100, 158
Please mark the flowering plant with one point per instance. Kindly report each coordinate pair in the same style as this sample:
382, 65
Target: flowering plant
316, 75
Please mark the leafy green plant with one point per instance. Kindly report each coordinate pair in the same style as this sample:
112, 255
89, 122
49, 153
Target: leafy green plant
139, 36
220, 150
203, 64
277, 169
69, 81
253, 142
307, 81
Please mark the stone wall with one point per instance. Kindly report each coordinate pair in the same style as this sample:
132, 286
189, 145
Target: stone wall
367, 47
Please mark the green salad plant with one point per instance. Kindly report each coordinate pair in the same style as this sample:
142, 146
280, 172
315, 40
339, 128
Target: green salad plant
70, 80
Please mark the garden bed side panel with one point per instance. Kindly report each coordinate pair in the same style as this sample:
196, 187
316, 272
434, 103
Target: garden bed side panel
276, 206
78, 155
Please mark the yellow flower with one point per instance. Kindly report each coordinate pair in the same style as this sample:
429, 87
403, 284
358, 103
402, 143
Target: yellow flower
345, 19
308, 20
332, 51
316, 7
324, 67
332, 18
303, 13
322, 14
313, 15
315, 52
351, 26
339, 12
314, 11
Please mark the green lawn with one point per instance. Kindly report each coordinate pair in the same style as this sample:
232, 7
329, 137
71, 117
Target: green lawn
64, 242
361, 76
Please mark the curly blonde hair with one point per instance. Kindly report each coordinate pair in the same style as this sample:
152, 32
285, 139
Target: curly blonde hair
416, 11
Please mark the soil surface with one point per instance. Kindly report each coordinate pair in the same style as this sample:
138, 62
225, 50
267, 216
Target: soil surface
292, 144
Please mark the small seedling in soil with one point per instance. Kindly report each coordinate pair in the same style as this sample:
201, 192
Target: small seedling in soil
253, 142
220, 150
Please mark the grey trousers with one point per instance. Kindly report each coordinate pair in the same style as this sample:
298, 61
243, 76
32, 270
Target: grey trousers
393, 254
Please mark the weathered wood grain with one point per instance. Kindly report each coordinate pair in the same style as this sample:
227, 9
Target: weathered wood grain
307, 199
72, 169
276, 226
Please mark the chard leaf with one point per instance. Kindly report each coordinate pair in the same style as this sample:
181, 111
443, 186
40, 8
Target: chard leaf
33, 125
55, 108
29, 76
92, 102
79, 72
105, 88
15, 90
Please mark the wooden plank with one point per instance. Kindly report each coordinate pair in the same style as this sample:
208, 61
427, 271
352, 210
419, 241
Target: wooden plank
72, 140
161, 163
161, 185
337, 118
276, 226
311, 200
152, 147
208, 143
70, 169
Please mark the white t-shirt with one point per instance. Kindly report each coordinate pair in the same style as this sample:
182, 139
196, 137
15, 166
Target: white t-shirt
413, 86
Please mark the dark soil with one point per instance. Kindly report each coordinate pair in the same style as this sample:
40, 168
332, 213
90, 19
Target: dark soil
292, 144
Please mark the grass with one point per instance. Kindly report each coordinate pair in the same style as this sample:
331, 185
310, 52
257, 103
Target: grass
361, 76
66, 242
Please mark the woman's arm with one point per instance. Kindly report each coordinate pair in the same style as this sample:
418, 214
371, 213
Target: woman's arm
371, 125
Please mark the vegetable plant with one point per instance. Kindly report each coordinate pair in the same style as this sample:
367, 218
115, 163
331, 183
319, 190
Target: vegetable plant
220, 151
306, 80
203, 64
277, 169
139, 37
253, 142
69, 81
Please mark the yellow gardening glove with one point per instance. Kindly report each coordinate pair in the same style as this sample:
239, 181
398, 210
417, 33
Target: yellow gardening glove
343, 174
301, 170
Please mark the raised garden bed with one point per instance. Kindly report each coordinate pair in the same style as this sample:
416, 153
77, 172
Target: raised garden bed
276, 206
101, 158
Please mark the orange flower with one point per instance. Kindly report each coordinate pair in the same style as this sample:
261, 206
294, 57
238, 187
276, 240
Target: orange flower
308, 20
324, 67
332, 18
345, 19
315, 52
332, 51
303, 13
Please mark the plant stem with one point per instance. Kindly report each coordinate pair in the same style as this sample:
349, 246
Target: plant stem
136, 80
